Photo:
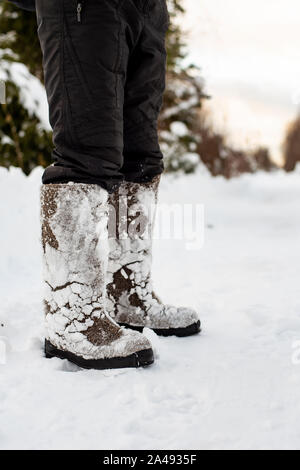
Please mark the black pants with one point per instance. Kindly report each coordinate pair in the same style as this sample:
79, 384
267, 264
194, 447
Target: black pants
104, 64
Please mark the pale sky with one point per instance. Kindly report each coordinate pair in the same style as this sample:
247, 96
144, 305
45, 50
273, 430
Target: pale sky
249, 52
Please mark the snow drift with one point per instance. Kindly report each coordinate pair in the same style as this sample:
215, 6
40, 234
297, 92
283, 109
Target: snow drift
236, 386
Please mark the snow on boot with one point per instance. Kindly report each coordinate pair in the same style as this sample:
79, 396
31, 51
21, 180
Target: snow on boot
131, 300
75, 254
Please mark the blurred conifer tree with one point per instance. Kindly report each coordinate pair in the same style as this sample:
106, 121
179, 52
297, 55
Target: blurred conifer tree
23, 140
182, 101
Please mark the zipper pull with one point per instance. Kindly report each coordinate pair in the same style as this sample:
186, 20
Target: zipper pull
79, 10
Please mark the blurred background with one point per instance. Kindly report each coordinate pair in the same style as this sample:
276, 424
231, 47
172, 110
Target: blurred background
232, 97
249, 55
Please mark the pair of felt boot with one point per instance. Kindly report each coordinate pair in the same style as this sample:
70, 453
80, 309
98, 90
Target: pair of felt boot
97, 274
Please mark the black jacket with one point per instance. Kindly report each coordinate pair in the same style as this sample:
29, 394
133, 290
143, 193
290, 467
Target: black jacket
25, 4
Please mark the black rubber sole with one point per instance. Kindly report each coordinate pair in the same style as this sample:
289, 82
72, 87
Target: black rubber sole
193, 329
139, 359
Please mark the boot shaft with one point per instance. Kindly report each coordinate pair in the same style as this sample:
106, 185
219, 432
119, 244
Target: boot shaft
75, 254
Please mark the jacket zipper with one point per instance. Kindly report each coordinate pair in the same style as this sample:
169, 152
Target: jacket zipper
79, 10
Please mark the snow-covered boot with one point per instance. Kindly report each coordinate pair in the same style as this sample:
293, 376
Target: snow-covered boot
75, 254
131, 300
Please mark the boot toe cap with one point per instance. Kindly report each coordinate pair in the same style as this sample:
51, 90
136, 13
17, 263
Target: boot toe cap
133, 342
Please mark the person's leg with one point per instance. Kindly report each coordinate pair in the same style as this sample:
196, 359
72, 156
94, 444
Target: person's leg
85, 63
85, 55
132, 301
144, 90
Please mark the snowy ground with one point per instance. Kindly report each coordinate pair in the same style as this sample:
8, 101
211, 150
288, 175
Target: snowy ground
234, 387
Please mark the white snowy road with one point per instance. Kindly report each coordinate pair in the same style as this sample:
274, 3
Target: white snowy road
233, 387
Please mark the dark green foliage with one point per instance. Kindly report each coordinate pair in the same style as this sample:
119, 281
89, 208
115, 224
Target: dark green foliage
18, 35
23, 142
182, 101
